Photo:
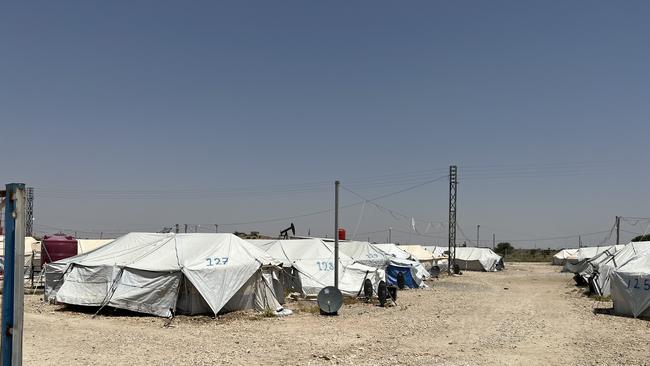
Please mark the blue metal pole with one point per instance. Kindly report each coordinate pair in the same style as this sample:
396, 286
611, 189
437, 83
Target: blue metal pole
8, 284
9, 318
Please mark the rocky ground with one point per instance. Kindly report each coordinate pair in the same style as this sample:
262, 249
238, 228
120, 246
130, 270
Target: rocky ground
529, 314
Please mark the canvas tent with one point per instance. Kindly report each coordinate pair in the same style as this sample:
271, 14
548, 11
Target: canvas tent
599, 282
565, 255
309, 266
161, 274
630, 287
370, 255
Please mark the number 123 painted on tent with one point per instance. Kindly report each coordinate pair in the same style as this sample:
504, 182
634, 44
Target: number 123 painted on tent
634, 283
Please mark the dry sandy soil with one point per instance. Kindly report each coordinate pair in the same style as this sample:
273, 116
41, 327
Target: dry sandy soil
529, 314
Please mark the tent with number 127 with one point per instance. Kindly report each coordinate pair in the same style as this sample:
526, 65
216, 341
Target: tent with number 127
164, 274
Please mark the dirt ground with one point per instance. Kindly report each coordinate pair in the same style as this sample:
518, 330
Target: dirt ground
529, 314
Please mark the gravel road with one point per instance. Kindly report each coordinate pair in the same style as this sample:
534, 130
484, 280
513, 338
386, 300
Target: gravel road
529, 314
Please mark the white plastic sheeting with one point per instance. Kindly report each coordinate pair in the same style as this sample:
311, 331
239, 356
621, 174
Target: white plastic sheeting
309, 266
630, 287
600, 280
143, 271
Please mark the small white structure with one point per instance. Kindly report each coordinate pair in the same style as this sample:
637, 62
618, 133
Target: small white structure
161, 274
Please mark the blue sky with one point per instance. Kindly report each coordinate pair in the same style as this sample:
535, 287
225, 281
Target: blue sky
137, 115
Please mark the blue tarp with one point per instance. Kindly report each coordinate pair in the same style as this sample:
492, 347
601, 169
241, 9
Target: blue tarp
391, 276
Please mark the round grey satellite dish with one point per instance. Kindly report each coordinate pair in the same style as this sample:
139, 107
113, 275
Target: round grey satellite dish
329, 300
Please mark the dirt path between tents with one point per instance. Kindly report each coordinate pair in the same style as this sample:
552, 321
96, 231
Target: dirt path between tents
529, 314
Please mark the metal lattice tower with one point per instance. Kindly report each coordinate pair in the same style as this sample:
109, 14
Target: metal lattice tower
453, 183
29, 211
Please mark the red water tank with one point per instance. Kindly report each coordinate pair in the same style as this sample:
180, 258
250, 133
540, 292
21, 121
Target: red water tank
341, 234
57, 246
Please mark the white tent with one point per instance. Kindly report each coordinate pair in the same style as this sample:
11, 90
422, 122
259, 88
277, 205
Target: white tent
474, 259
565, 255
370, 255
439, 257
309, 266
87, 245
32, 251
599, 282
31, 245
478, 259
583, 255
364, 253
630, 287
470, 258
437, 251
591, 265
420, 254
161, 274
397, 253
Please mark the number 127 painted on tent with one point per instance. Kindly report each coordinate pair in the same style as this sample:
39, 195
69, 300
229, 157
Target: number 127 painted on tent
217, 261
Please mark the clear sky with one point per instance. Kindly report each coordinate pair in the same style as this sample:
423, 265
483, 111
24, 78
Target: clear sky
136, 115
